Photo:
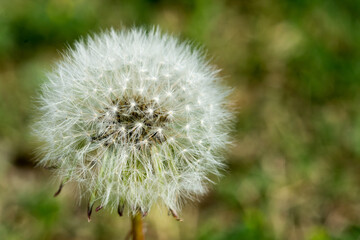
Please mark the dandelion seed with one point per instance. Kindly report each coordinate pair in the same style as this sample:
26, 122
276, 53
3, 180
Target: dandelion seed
156, 99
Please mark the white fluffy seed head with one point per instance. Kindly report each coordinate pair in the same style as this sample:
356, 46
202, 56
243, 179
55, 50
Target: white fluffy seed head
135, 117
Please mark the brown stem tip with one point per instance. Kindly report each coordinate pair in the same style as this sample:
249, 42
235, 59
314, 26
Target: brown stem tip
89, 211
99, 208
59, 190
121, 210
175, 215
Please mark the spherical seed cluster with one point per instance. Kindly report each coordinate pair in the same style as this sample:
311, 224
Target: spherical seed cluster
134, 117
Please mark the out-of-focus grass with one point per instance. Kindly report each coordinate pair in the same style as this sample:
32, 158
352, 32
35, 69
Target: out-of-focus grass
293, 168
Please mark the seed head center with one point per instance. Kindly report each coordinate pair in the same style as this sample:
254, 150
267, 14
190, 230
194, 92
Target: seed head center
136, 121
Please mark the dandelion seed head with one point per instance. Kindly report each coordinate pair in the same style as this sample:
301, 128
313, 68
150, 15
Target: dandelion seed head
134, 117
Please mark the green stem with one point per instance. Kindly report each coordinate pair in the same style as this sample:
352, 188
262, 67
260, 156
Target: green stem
137, 227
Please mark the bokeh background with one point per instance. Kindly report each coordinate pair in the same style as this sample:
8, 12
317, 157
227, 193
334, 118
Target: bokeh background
294, 166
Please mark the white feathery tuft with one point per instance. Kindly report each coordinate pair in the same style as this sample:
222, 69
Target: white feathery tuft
134, 117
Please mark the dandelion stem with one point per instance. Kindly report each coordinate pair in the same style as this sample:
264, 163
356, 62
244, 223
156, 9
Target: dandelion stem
137, 227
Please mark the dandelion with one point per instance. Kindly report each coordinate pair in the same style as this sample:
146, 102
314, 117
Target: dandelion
135, 118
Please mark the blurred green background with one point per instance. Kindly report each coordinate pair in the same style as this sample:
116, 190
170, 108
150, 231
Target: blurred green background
294, 165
